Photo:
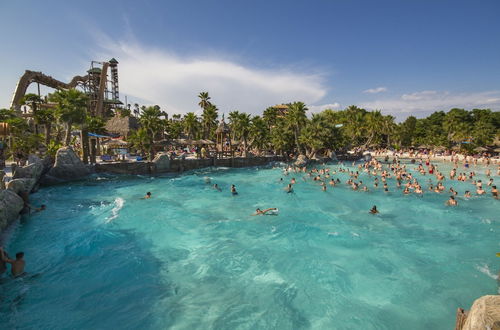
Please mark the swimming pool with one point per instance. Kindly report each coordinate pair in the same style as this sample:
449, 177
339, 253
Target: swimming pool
191, 257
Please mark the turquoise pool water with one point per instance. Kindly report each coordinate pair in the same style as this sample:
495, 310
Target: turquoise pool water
194, 258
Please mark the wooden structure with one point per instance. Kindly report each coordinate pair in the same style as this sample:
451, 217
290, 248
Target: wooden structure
223, 144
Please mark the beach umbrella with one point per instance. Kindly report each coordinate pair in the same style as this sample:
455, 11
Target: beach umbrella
480, 149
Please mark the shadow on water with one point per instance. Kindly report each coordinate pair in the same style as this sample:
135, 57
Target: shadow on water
100, 280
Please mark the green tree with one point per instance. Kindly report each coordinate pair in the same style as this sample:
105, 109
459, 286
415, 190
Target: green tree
296, 119
259, 133
204, 100
242, 129
153, 124
191, 125
209, 121
71, 108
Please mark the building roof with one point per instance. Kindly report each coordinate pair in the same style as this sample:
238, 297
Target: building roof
223, 128
113, 61
94, 70
122, 125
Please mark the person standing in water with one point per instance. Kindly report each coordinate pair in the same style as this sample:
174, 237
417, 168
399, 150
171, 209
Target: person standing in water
233, 190
17, 265
374, 210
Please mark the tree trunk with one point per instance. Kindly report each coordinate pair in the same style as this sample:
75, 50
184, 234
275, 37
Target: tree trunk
245, 154
151, 151
85, 145
48, 128
93, 146
67, 138
296, 134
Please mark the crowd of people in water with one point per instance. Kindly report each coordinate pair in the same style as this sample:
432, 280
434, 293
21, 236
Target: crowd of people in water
379, 172
420, 178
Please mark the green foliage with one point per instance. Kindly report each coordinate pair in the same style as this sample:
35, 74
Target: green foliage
52, 148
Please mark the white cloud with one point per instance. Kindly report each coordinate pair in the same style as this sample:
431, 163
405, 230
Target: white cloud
425, 102
173, 82
319, 108
375, 90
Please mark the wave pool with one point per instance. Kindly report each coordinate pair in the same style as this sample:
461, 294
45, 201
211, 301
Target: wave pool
100, 257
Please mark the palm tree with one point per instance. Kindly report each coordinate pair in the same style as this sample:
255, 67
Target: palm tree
191, 124
71, 109
33, 100
46, 117
209, 120
233, 118
140, 140
204, 100
373, 125
152, 123
296, 119
259, 133
270, 117
242, 129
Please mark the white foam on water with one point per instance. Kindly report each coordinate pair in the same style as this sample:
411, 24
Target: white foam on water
486, 270
486, 221
269, 277
333, 233
119, 202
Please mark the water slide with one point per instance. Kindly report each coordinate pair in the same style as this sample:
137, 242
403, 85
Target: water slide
33, 76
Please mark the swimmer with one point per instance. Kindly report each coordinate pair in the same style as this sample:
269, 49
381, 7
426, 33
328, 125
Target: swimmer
263, 212
216, 187
467, 194
451, 202
293, 181
494, 192
374, 210
480, 191
289, 188
233, 190
148, 195
38, 209
17, 265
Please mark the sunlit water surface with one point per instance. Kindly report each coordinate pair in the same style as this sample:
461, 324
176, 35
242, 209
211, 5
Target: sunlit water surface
194, 258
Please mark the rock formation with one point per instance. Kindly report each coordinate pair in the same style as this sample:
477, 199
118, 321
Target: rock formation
67, 167
10, 206
301, 161
161, 162
484, 314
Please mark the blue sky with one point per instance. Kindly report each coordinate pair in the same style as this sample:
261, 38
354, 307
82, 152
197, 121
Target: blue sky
403, 57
